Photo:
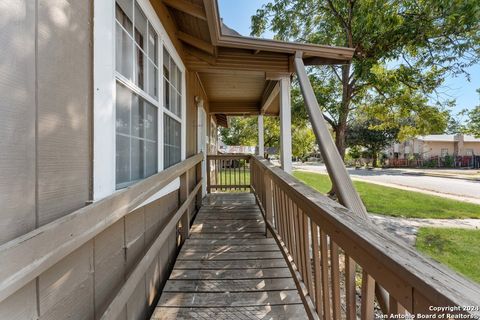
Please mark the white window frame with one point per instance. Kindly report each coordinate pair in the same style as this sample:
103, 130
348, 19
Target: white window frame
105, 78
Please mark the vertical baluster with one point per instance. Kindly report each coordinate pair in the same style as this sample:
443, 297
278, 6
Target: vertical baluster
291, 233
350, 284
317, 269
308, 261
300, 246
368, 295
275, 205
303, 257
298, 256
235, 174
217, 174
335, 274
325, 287
284, 219
395, 307
280, 214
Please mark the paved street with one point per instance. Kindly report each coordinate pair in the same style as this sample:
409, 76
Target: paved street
452, 188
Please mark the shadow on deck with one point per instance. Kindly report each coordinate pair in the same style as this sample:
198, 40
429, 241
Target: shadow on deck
228, 269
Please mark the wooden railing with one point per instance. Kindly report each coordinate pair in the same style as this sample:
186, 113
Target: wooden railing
26, 257
228, 173
337, 257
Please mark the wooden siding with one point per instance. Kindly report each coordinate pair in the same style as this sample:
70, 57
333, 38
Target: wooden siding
82, 285
45, 166
17, 119
45, 112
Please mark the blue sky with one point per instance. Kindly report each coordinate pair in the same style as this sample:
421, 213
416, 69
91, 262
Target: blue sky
236, 14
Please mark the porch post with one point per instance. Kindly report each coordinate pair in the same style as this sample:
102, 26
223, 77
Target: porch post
285, 125
261, 141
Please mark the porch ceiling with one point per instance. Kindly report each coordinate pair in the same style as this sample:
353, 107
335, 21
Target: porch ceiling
237, 72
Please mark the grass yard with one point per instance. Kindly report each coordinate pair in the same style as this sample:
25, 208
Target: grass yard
456, 248
398, 203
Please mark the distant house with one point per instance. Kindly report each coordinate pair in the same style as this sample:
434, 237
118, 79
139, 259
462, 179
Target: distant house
439, 145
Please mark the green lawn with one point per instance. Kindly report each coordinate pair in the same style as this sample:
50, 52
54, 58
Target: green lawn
456, 248
398, 203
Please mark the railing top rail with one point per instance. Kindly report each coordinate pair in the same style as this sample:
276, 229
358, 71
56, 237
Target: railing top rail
387, 258
230, 156
27, 256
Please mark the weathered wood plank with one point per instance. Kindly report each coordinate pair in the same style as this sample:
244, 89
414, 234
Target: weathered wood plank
239, 235
240, 299
230, 285
230, 264
230, 248
230, 242
229, 255
291, 311
231, 274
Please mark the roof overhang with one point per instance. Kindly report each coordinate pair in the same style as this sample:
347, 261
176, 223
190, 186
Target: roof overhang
240, 74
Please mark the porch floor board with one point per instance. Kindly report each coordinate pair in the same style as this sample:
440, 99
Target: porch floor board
228, 269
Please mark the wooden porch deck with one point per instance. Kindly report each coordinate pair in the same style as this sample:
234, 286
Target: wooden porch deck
228, 269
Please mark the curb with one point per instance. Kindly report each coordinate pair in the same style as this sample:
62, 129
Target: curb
440, 176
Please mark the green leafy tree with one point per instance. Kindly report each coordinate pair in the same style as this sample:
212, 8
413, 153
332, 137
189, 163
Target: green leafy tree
303, 142
473, 122
366, 134
403, 51
243, 131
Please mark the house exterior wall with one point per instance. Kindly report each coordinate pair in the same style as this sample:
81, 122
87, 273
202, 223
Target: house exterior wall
45, 112
434, 148
46, 163
475, 146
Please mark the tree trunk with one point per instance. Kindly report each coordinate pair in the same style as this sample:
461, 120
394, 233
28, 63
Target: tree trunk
341, 129
340, 136
375, 158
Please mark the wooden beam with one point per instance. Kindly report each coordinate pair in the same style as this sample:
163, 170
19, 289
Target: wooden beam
195, 42
341, 180
213, 20
200, 54
274, 64
187, 7
234, 107
269, 98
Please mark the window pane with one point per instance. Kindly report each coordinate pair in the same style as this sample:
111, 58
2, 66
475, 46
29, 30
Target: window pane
151, 158
150, 122
137, 129
166, 64
137, 159
166, 94
124, 14
124, 53
122, 159
173, 74
152, 80
179, 80
141, 26
123, 104
172, 144
137, 119
140, 69
173, 100
152, 44
179, 105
